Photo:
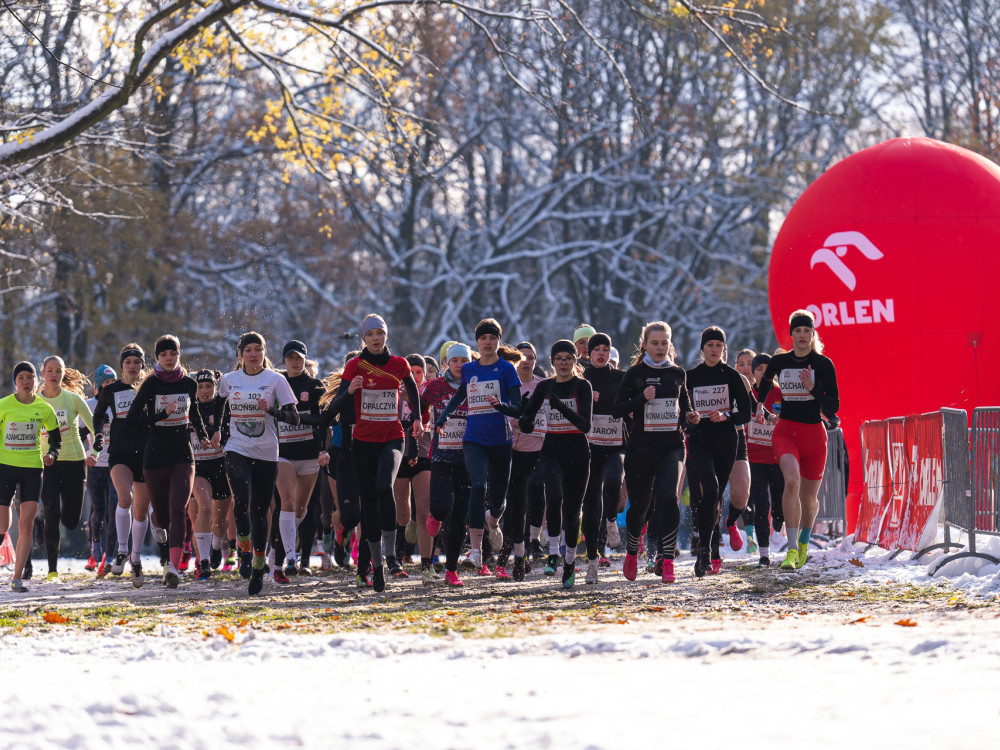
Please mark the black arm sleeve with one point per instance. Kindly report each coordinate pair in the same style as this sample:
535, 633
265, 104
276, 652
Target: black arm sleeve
744, 406
626, 402
585, 402
138, 414
513, 409
527, 419
825, 388
412, 394
55, 442
456, 401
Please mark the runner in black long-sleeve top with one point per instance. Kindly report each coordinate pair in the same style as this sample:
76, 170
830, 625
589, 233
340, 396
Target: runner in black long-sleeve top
808, 383
654, 392
721, 405
565, 457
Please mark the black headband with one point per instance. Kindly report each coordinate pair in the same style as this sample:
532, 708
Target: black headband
131, 352
562, 346
23, 367
712, 334
167, 344
204, 376
800, 321
249, 338
485, 328
598, 339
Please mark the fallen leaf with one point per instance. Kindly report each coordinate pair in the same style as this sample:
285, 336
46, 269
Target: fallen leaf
244, 623
122, 621
225, 633
55, 618
856, 562
655, 609
623, 622
452, 612
907, 623
679, 614
859, 620
550, 618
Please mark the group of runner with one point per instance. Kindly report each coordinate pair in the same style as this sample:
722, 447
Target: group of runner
478, 452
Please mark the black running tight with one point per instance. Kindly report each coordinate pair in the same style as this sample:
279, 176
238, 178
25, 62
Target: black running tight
252, 481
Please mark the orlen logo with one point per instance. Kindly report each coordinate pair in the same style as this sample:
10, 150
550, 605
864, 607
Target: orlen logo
855, 311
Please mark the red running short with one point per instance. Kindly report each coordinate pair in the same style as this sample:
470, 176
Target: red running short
807, 442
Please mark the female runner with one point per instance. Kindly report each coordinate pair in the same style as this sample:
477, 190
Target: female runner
212, 495
766, 482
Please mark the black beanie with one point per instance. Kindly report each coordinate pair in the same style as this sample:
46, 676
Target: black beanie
760, 359
598, 339
712, 333
562, 345
23, 367
416, 360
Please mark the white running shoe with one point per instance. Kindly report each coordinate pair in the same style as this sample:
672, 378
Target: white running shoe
159, 535
496, 536
592, 566
476, 558
614, 538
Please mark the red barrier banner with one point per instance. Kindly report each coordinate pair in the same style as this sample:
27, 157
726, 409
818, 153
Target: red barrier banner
899, 469
924, 445
878, 481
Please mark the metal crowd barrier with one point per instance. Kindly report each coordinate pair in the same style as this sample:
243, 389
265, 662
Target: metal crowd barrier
956, 507
971, 505
833, 491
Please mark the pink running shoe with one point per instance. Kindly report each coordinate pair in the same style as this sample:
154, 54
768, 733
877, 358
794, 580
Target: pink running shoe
433, 526
716, 566
631, 567
452, 579
502, 574
484, 571
668, 571
354, 549
735, 540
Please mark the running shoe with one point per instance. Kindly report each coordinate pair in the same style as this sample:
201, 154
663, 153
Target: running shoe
517, 573
256, 584
395, 568
551, 563
495, 535
104, 568
702, 564
658, 567
340, 556
568, 575
91, 564
501, 573
137, 577
410, 535
614, 536
291, 569
164, 552
433, 526
735, 540
716, 566
752, 546
204, 571
280, 577
172, 577
246, 564
452, 579
215, 558
667, 575
26, 574
52, 577
791, 561
378, 578
185, 556
604, 562
803, 555
764, 562
475, 559
305, 570
535, 550
18, 587
428, 576
630, 569
592, 568
159, 535
363, 579
118, 566
437, 562
483, 570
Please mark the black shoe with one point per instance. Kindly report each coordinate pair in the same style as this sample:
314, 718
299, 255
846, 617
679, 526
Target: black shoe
256, 584
305, 570
395, 569
378, 578
551, 563
703, 564
569, 575
291, 569
164, 553
246, 564
215, 558
204, 571
26, 575
518, 572
340, 556
535, 550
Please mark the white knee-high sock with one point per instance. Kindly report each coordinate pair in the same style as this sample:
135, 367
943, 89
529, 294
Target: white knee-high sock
138, 536
286, 526
123, 523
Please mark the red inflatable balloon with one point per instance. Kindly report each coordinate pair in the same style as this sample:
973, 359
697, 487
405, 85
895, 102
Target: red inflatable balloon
896, 250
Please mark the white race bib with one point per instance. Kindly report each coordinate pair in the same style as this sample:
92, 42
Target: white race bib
379, 406
244, 413
710, 398
759, 434
660, 415
556, 423
63, 416
477, 391
123, 402
21, 436
606, 431
205, 454
180, 417
791, 386
294, 433
454, 433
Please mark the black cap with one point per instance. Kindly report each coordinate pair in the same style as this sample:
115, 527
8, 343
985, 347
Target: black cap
295, 346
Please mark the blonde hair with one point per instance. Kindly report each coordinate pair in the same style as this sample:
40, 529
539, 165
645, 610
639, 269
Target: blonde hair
816, 344
509, 353
640, 349
72, 380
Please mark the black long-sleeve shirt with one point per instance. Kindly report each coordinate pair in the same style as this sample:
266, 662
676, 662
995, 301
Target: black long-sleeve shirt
168, 442
656, 424
798, 404
571, 405
113, 403
718, 388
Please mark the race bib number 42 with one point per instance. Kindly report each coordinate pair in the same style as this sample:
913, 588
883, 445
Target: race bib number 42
478, 392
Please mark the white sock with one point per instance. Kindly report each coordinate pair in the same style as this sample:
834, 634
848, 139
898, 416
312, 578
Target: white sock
553, 545
286, 526
519, 549
765, 552
138, 537
123, 523
534, 532
203, 540
793, 537
216, 542
570, 555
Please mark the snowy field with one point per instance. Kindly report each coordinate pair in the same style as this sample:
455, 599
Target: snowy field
905, 672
